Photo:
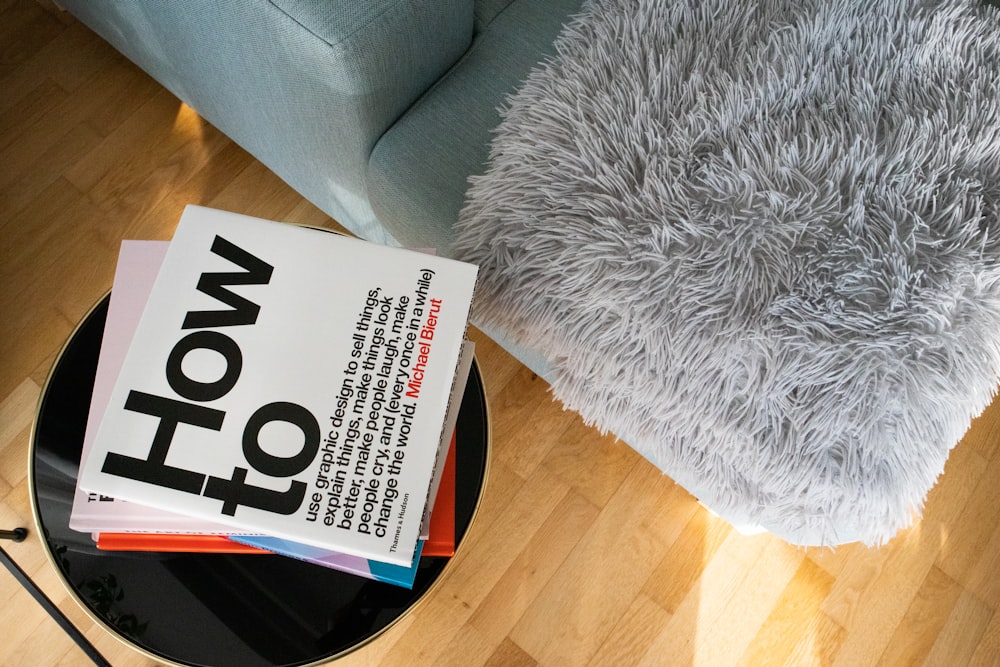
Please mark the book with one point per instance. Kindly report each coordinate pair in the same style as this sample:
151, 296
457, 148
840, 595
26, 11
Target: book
138, 265
441, 536
448, 435
287, 381
137, 268
172, 543
400, 575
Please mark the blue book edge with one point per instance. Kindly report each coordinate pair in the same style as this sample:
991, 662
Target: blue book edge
399, 575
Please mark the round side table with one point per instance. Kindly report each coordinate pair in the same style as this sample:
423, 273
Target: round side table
218, 609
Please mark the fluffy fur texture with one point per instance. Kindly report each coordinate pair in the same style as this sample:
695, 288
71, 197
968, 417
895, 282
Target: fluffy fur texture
760, 242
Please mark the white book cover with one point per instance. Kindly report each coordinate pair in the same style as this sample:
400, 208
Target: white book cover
138, 265
287, 381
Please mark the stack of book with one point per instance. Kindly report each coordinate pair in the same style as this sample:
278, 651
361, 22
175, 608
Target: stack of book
272, 388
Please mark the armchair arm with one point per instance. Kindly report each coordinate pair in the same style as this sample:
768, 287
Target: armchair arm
307, 87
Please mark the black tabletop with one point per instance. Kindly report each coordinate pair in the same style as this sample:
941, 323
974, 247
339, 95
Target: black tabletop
218, 609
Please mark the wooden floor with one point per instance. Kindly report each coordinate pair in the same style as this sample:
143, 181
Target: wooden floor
582, 554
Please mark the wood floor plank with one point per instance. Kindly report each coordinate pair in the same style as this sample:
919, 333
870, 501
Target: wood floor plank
23, 109
510, 654
724, 641
68, 61
73, 58
984, 575
478, 567
796, 614
48, 169
256, 191
46, 637
49, 127
497, 367
13, 470
526, 400
956, 642
24, 29
543, 555
24, 623
17, 411
32, 233
947, 501
633, 634
733, 603
38, 315
871, 600
574, 613
469, 648
927, 614
608, 461
818, 645
684, 562
173, 140
987, 651
705, 603
966, 543
123, 102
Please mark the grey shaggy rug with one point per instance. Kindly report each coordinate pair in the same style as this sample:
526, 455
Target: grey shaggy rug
759, 242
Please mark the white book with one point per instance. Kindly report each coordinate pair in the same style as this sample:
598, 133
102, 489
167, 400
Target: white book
138, 265
287, 381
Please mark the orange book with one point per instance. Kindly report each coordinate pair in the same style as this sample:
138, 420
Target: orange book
441, 533
178, 542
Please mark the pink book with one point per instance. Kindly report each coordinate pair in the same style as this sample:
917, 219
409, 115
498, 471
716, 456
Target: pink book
138, 264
